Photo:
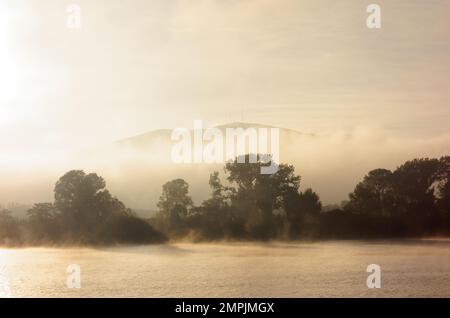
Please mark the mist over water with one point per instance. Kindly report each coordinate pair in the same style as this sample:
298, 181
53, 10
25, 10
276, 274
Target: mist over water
136, 168
409, 268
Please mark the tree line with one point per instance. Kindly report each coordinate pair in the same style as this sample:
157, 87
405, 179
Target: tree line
411, 201
83, 212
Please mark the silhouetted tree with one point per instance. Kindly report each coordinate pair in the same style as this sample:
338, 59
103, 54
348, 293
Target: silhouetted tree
408, 201
9, 229
302, 213
443, 193
77, 196
44, 221
262, 199
374, 195
174, 204
90, 214
214, 219
255, 197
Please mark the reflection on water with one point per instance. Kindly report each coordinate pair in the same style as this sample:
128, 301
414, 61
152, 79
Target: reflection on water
323, 269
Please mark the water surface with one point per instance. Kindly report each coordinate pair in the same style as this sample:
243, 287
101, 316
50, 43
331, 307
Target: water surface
410, 268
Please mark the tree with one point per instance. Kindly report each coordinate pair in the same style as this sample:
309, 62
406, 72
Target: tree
443, 191
91, 214
302, 212
44, 221
310, 202
374, 195
76, 195
214, 218
257, 195
174, 204
41, 212
9, 228
407, 199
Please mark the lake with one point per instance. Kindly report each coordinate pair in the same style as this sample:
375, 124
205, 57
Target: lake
409, 268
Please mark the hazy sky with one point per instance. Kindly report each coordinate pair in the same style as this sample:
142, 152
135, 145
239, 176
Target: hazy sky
140, 65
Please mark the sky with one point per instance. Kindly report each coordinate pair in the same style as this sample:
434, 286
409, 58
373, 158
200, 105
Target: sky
313, 66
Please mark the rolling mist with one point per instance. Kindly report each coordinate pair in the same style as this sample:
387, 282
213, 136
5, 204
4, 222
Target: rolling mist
136, 167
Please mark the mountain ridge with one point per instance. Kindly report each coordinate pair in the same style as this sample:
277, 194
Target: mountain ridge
166, 132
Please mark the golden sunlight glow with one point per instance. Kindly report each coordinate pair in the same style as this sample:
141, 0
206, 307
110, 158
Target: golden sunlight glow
8, 72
